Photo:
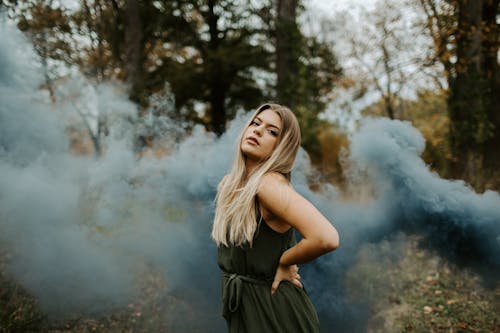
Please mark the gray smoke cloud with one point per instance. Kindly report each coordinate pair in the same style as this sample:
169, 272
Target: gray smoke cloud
80, 231
407, 197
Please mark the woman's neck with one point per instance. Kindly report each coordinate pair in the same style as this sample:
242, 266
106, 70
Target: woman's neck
250, 166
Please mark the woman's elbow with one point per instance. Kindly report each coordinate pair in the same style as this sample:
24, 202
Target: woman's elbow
331, 242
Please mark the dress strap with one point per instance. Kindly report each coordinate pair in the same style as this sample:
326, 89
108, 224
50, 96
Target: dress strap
258, 215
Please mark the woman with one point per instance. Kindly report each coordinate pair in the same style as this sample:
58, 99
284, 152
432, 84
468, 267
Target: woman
256, 212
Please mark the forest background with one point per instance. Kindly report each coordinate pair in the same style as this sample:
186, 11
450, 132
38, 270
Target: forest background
434, 63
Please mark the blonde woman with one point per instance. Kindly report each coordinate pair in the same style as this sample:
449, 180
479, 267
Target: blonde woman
256, 212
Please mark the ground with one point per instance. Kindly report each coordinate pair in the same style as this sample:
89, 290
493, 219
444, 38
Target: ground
417, 291
409, 290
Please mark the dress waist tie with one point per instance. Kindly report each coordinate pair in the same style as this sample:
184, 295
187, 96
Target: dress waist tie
231, 291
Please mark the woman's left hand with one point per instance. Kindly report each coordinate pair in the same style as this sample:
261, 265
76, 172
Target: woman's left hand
286, 273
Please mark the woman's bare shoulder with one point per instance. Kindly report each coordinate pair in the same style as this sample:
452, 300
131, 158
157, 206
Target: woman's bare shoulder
273, 180
275, 177
274, 191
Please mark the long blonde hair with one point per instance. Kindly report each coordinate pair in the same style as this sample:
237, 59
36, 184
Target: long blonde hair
235, 218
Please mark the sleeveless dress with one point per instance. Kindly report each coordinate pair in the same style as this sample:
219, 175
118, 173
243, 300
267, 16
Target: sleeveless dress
248, 273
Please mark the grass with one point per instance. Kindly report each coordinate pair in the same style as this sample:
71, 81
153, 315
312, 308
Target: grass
417, 291
408, 289
20, 312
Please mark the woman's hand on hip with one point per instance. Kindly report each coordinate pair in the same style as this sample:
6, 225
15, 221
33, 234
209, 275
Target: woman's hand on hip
286, 273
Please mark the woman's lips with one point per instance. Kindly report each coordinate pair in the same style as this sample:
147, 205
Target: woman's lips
252, 140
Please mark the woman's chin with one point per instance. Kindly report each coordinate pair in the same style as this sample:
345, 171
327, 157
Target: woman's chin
249, 151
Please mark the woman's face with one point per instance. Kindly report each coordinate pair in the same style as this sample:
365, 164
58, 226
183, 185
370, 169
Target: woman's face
261, 136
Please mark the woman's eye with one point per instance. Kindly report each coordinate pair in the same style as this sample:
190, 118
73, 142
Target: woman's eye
273, 133
254, 123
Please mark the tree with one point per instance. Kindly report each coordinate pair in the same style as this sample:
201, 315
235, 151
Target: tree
466, 41
134, 48
49, 35
288, 51
208, 51
216, 56
306, 70
429, 114
385, 50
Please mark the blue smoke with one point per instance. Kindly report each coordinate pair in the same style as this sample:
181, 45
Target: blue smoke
407, 197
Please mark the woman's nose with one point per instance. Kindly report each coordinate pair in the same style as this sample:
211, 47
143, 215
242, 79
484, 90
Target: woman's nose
257, 130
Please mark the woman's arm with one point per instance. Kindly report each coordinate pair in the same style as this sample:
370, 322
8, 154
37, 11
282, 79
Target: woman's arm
318, 235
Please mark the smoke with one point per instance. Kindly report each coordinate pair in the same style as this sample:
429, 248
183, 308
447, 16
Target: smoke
82, 232
452, 219
455, 221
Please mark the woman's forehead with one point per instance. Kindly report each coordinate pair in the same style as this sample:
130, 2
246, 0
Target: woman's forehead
270, 117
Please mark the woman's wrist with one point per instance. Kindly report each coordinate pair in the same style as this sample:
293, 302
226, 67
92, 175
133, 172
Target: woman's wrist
284, 260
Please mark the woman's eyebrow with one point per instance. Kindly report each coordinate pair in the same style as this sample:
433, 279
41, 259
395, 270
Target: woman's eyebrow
269, 124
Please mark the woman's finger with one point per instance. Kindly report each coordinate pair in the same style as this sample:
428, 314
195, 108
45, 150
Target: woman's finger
275, 286
297, 283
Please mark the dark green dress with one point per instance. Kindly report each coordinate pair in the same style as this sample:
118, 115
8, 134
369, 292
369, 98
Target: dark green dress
248, 273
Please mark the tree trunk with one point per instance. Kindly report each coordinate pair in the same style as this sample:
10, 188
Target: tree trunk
388, 95
473, 102
287, 41
218, 109
466, 108
490, 46
48, 81
134, 50
217, 77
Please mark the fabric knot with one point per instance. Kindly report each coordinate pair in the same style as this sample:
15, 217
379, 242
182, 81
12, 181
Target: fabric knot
232, 290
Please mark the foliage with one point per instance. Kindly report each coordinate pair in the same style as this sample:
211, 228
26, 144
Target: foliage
317, 77
385, 52
207, 51
215, 57
409, 289
225, 46
465, 36
19, 312
428, 113
307, 71
413, 290
333, 143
